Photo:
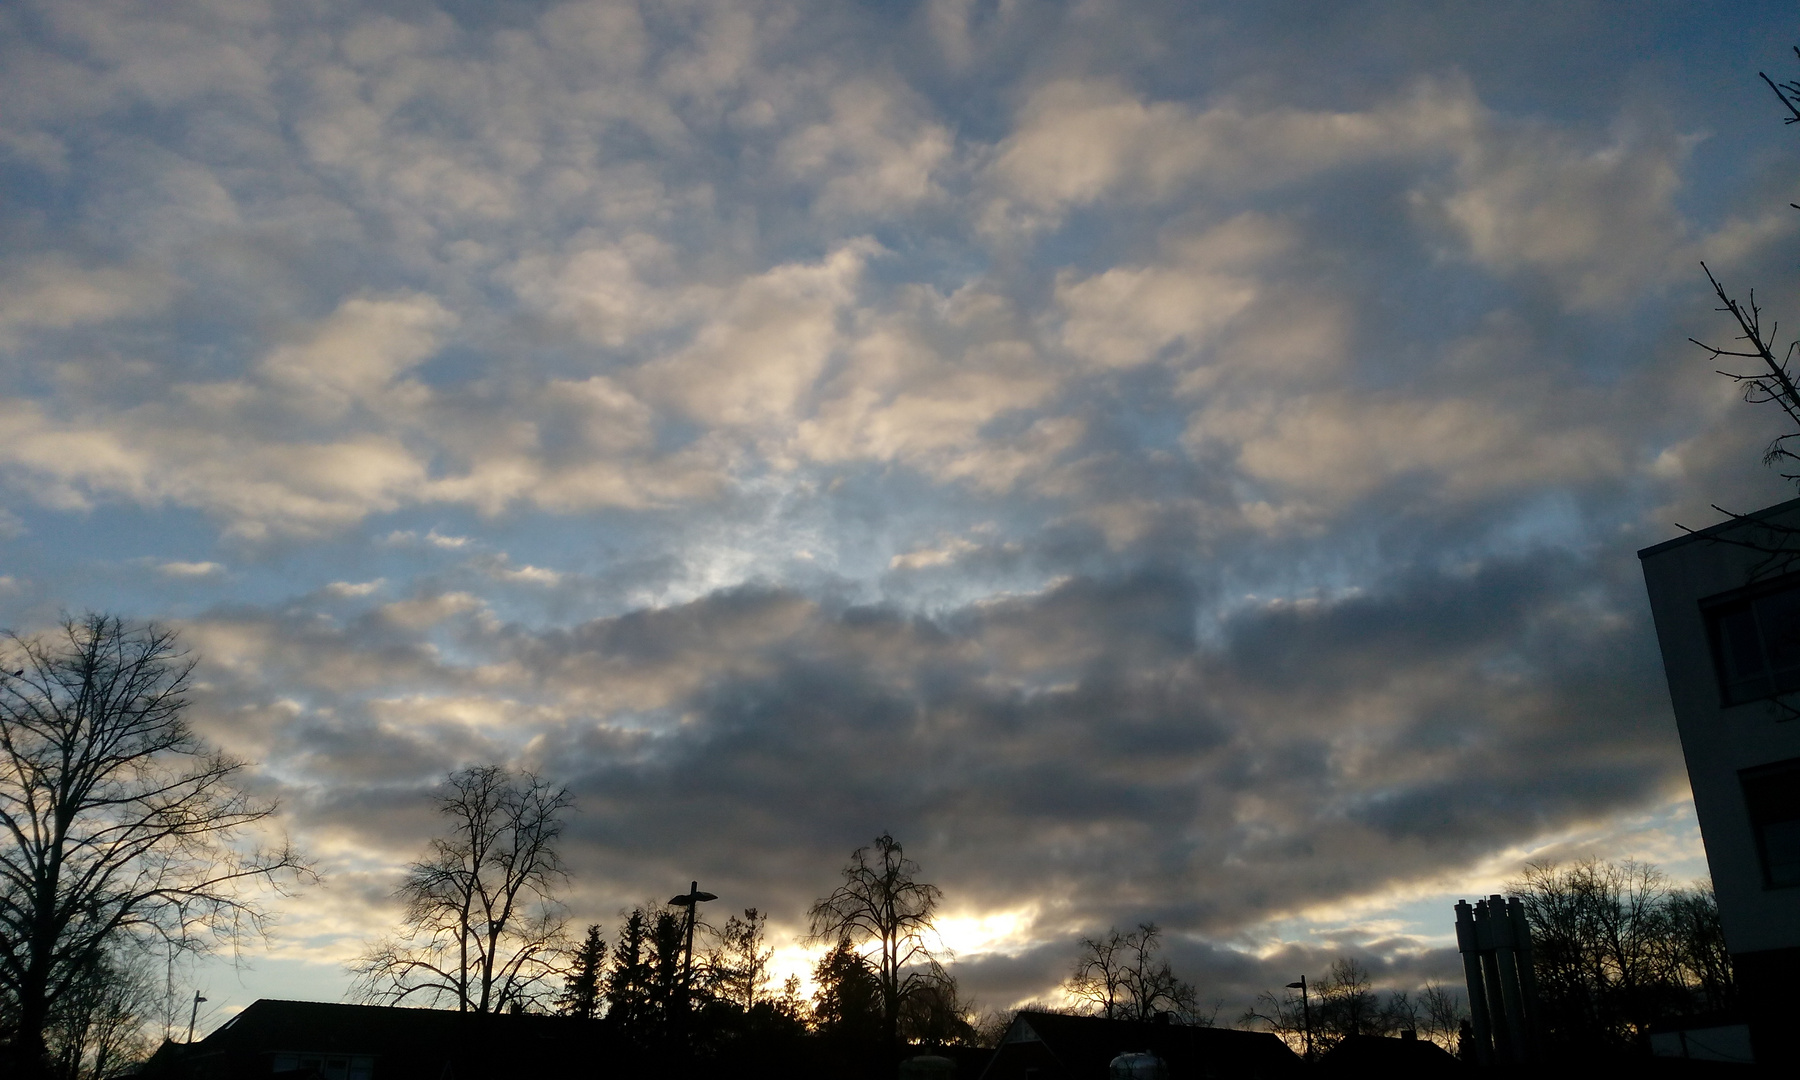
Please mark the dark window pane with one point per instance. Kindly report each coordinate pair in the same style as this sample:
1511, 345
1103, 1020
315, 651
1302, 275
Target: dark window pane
1778, 620
1772, 796
1781, 853
1743, 674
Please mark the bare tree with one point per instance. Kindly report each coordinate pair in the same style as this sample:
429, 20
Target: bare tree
1098, 979
937, 1014
116, 821
1121, 975
882, 903
1697, 956
99, 1025
1399, 1012
1151, 982
992, 1026
1770, 378
1443, 1013
1617, 949
482, 928
738, 969
1346, 1004
1285, 1014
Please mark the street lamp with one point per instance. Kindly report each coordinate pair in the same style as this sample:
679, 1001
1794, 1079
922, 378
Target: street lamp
1305, 1013
195, 1015
692, 901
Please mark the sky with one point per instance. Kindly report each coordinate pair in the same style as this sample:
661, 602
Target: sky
1174, 462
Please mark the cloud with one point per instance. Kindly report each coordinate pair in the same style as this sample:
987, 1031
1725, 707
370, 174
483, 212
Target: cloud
1081, 744
1125, 316
1600, 224
753, 364
500, 568
54, 295
875, 154
356, 358
190, 569
1079, 140
928, 557
921, 386
1155, 483
1376, 439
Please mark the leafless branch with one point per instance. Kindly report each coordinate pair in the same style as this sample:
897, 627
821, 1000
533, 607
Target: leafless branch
116, 821
482, 928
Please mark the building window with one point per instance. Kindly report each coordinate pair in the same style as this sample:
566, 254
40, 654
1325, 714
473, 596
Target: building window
357, 1067
1756, 642
1772, 795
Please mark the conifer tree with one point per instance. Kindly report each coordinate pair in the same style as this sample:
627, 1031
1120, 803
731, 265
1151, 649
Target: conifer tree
581, 995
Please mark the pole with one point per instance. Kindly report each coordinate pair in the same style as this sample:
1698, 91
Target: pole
692, 901
1305, 1013
194, 1016
687, 963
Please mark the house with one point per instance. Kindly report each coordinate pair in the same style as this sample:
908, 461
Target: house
1726, 601
1052, 1046
324, 1041
1405, 1058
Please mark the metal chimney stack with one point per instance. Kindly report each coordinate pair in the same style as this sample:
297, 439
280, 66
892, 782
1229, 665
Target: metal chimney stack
1495, 942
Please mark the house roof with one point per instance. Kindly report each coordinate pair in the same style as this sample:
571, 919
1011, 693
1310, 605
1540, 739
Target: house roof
405, 1042
1755, 517
1081, 1048
1374, 1055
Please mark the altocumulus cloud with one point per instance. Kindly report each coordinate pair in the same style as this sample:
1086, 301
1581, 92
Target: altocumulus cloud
1161, 462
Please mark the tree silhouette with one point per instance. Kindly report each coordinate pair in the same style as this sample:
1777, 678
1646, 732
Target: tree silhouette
1121, 976
482, 927
1770, 378
1098, 981
628, 979
100, 1025
882, 903
738, 969
1443, 1013
116, 821
643, 985
581, 994
1344, 1002
1347, 1004
1617, 949
847, 998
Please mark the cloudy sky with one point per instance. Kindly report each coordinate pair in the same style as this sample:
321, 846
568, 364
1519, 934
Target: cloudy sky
1163, 461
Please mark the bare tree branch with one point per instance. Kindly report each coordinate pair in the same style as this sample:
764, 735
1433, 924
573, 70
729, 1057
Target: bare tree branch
881, 902
482, 927
116, 821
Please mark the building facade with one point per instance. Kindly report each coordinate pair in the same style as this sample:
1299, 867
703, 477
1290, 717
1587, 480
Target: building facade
1726, 601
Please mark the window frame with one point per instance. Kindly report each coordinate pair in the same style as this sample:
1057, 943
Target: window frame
1749, 781
1713, 612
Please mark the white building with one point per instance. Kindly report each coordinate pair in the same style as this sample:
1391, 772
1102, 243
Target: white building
1727, 606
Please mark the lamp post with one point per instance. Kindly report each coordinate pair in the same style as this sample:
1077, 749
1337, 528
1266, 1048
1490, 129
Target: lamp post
1305, 1013
692, 901
194, 1015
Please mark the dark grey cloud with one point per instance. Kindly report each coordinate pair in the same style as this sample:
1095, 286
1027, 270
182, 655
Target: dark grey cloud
1079, 751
